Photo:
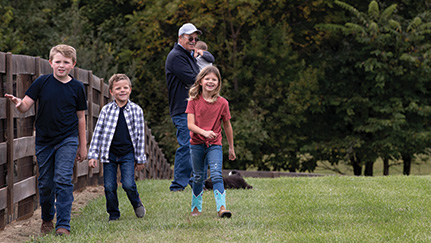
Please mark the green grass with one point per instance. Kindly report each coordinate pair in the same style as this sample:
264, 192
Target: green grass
287, 209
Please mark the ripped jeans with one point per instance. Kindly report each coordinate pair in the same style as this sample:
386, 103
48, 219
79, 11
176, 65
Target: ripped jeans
214, 156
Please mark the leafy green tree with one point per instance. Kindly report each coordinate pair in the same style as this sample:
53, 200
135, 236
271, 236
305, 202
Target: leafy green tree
386, 52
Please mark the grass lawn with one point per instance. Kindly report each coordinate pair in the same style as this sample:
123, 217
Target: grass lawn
287, 209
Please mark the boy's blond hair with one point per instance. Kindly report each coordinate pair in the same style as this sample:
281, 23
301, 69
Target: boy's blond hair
118, 77
201, 45
196, 88
65, 50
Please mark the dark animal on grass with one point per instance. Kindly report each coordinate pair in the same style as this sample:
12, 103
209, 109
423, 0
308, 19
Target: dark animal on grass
233, 181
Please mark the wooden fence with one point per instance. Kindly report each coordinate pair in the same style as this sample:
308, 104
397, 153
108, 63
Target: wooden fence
18, 166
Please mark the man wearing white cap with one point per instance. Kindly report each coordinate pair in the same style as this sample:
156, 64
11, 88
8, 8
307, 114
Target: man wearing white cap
181, 70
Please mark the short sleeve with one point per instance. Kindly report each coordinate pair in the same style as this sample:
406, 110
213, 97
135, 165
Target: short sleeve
82, 99
191, 107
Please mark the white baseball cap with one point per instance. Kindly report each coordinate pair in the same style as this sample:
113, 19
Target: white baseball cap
188, 29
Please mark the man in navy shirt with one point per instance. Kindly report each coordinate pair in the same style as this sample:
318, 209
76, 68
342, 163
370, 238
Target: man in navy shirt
181, 70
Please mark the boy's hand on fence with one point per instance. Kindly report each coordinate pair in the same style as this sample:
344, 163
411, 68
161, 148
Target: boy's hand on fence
139, 167
14, 99
92, 163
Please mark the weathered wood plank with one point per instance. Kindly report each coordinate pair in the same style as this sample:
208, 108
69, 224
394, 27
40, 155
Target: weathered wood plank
3, 153
96, 110
2, 62
3, 198
45, 67
96, 83
23, 64
81, 75
3, 104
24, 147
24, 189
82, 168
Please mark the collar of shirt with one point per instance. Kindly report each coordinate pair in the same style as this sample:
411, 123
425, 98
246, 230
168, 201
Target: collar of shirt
126, 107
191, 53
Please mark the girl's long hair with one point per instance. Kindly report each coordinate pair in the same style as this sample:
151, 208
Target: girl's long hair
196, 88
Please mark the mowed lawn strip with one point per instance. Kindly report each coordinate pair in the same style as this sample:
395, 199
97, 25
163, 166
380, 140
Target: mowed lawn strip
287, 209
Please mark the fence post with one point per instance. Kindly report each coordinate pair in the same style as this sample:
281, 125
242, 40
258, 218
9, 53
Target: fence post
90, 115
101, 104
10, 137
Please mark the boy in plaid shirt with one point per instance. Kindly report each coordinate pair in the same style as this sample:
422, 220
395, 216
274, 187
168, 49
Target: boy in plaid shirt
119, 141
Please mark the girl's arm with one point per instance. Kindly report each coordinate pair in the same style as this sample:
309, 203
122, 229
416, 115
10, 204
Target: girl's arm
195, 129
229, 135
82, 149
23, 105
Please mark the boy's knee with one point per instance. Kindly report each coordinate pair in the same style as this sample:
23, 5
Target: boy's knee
129, 186
109, 187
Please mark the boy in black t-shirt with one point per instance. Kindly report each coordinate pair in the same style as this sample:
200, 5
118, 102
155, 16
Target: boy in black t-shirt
60, 135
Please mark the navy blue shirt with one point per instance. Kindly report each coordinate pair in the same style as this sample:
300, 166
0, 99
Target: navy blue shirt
180, 70
58, 104
121, 142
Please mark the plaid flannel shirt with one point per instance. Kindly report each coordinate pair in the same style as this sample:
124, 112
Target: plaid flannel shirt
105, 129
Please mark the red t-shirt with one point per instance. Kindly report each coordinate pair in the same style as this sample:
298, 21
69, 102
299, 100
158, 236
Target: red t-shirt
209, 117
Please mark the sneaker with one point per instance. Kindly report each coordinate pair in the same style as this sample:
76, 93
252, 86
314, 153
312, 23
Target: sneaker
46, 227
62, 231
140, 211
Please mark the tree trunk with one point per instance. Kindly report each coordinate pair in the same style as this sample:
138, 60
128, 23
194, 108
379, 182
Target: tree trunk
356, 164
368, 168
407, 162
385, 166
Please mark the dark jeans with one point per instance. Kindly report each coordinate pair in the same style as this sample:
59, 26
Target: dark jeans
55, 164
183, 164
127, 168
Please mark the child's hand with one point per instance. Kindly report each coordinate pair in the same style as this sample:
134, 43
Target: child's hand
14, 99
92, 163
232, 155
198, 52
210, 134
139, 167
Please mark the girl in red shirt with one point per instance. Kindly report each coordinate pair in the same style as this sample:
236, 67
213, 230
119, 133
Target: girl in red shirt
206, 111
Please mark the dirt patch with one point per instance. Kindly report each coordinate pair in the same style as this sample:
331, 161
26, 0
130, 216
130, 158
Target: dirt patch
20, 231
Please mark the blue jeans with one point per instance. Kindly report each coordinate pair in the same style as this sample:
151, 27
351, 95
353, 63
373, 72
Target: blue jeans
127, 168
55, 164
202, 157
183, 165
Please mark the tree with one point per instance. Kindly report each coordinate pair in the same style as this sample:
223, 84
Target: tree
388, 52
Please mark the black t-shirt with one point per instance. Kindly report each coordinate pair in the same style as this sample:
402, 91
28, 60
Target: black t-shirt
121, 142
58, 104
